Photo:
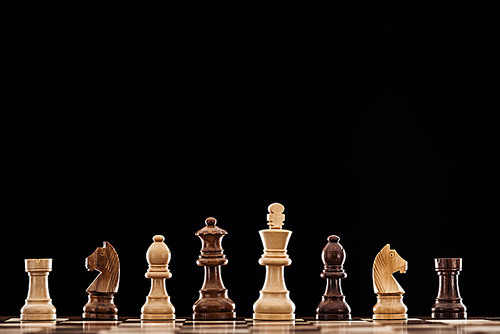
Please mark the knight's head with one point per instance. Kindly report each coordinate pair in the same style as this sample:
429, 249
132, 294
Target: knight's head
393, 261
99, 257
105, 260
387, 262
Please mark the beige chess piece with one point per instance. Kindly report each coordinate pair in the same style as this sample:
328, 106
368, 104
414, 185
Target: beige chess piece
158, 305
274, 302
38, 304
389, 293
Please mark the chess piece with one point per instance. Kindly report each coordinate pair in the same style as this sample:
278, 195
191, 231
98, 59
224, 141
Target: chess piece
389, 293
38, 305
333, 305
213, 304
158, 305
102, 290
274, 302
448, 302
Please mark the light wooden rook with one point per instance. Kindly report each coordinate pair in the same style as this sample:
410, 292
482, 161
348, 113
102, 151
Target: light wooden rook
274, 302
158, 305
38, 304
389, 293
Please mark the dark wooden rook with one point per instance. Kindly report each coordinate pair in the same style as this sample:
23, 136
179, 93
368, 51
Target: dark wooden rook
448, 302
213, 303
333, 305
102, 290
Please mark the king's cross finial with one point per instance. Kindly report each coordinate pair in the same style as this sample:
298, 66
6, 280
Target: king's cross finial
275, 216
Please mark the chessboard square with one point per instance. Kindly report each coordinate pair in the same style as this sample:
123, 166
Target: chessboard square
357, 330
459, 322
37, 321
215, 322
481, 329
151, 325
344, 324
270, 324
209, 330
134, 330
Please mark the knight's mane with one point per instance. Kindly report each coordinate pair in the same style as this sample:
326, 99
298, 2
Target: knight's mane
379, 270
109, 277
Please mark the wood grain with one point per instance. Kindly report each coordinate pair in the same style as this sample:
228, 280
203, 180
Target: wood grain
389, 293
102, 290
158, 305
449, 303
274, 302
213, 303
38, 304
333, 305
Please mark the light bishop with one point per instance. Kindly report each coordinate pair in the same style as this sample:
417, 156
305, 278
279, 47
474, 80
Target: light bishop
158, 305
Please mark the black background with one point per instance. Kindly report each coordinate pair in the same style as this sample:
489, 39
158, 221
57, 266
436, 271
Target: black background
373, 121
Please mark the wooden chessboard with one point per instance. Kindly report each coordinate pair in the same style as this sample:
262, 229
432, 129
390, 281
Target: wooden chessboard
74, 325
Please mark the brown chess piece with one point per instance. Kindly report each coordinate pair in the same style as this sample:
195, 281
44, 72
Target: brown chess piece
333, 305
448, 302
102, 290
213, 303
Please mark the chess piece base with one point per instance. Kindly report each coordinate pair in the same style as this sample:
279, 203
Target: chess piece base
390, 306
214, 305
449, 309
39, 310
333, 316
273, 316
38, 317
100, 307
274, 305
158, 308
214, 316
390, 316
460, 315
158, 317
99, 316
333, 307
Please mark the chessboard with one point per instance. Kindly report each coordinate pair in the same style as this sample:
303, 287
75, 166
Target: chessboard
75, 325
273, 312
